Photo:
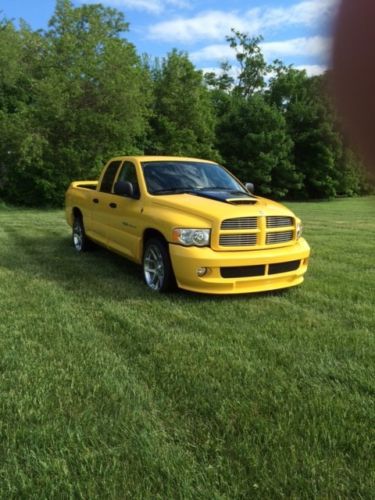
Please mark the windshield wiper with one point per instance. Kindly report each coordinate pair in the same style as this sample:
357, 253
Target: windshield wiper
173, 191
212, 188
220, 188
227, 189
181, 190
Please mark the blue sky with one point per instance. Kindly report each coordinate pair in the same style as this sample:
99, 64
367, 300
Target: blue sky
296, 32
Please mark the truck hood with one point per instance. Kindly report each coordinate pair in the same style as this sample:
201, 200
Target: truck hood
229, 206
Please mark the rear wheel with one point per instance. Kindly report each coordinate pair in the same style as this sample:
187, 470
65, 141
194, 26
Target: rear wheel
80, 240
157, 268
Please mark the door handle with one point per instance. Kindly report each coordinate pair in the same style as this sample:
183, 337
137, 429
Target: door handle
95, 200
113, 205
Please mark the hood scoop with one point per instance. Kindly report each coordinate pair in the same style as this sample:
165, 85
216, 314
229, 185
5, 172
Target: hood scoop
227, 197
241, 201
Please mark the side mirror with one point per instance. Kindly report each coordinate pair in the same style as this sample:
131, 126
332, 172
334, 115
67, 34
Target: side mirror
250, 187
124, 188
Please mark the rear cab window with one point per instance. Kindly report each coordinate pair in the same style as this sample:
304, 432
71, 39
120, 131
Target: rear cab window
106, 185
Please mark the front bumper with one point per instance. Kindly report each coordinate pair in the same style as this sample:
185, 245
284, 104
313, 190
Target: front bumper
186, 261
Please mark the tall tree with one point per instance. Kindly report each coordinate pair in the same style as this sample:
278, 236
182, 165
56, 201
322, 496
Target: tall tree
318, 150
253, 68
252, 135
21, 53
183, 121
91, 100
220, 87
254, 142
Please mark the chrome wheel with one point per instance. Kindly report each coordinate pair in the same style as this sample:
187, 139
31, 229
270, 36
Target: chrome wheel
153, 267
78, 235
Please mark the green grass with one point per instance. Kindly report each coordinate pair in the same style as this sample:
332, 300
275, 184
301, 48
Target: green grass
108, 390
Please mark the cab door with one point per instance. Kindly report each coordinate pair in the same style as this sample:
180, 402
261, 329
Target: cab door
125, 220
99, 201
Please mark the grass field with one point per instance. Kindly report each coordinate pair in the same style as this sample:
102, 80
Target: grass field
108, 390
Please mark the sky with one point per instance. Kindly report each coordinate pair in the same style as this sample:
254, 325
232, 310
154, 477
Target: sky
297, 32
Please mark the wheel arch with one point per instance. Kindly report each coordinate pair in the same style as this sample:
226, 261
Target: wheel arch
77, 212
152, 233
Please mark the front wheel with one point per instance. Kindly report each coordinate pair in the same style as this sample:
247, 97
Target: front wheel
157, 268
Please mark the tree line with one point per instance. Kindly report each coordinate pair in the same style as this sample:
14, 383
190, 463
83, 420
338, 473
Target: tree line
77, 93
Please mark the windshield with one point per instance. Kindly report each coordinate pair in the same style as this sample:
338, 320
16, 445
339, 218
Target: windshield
172, 177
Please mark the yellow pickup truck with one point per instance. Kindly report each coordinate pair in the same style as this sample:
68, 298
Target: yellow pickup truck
190, 223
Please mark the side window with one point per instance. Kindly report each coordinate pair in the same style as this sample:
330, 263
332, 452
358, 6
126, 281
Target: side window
109, 177
128, 173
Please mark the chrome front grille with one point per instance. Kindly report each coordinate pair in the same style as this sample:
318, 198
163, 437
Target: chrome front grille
278, 221
238, 240
257, 232
281, 237
240, 223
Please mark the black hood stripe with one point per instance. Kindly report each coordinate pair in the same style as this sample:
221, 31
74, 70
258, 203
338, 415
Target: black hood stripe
226, 196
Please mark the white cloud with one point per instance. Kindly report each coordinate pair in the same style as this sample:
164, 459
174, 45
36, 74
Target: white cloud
210, 25
217, 52
150, 6
313, 69
304, 13
215, 24
316, 46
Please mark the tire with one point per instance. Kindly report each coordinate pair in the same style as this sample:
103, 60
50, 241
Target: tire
80, 241
157, 267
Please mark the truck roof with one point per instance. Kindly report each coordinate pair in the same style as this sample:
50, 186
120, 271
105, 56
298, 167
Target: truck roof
142, 158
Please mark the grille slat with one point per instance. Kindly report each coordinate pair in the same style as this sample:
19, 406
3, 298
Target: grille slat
240, 223
279, 221
238, 240
283, 237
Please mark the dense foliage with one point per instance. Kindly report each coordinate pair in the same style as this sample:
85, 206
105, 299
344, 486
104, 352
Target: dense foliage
77, 93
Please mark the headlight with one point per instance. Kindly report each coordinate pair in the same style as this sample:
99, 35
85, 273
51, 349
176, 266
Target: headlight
299, 229
192, 237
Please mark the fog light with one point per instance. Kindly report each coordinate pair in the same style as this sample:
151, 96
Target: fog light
201, 271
